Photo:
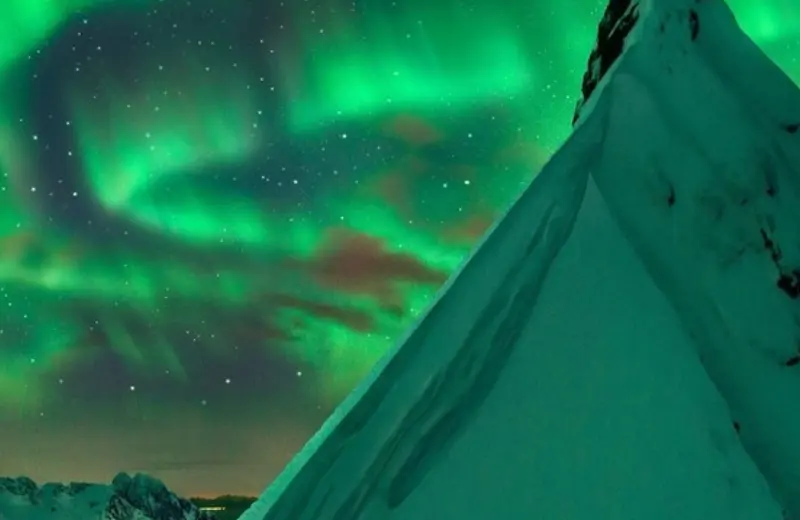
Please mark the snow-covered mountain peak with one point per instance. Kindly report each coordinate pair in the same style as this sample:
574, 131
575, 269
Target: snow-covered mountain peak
672, 29
138, 497
625, 342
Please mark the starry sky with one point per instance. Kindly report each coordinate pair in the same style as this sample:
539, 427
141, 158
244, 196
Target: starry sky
216, 215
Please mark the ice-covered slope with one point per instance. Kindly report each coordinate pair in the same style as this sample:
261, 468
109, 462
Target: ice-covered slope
128, 498
624, 342
703, 177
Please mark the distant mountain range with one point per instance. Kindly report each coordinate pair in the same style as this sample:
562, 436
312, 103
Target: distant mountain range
138, 497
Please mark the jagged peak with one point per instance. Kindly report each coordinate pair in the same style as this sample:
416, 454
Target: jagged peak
626, 22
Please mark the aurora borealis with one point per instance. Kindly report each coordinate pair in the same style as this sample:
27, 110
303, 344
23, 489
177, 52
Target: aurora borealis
215, 216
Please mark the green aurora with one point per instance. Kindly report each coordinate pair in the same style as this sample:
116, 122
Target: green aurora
443, 113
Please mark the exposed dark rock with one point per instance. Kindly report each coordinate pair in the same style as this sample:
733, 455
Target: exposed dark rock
694, 24
618, 20
792, 128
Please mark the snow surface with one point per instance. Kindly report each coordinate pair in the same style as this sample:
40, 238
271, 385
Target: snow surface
623, 344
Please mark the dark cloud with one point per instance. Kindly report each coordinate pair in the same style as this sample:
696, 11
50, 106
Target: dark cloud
396, 186
413, 130
469, 230
352, 318
356, 263
117, 348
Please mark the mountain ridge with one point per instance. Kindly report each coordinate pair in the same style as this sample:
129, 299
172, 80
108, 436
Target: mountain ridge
623, 342
137, 497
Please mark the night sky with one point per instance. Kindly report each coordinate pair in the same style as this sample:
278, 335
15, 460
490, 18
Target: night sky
216, 215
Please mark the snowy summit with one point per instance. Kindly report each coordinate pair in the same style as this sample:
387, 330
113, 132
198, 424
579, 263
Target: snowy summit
624, 342
128, 498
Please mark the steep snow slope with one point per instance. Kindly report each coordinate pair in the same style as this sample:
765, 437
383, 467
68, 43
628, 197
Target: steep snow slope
624, 342
704, 160
128, 498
